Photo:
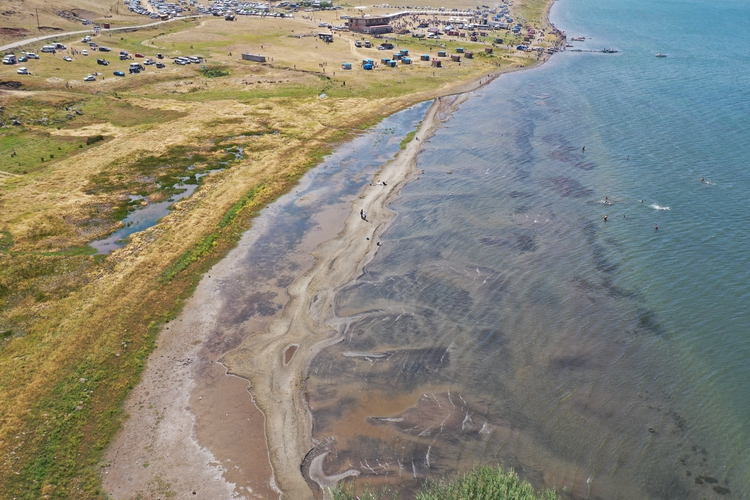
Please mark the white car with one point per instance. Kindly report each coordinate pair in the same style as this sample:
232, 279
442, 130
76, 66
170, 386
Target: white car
23, 71
86, 39
67, 58
90, 78
85, 52
31, 55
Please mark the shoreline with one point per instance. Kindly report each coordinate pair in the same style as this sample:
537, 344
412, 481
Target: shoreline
264, 373
278, 388
276, 380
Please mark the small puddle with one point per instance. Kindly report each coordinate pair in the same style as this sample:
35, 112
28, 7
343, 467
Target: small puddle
289, 353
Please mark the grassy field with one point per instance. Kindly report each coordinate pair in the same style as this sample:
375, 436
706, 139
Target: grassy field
75, 327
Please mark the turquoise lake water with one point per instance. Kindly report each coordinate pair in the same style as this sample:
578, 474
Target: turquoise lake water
504, 321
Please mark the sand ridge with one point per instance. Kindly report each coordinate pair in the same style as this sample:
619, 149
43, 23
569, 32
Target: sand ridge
309, 318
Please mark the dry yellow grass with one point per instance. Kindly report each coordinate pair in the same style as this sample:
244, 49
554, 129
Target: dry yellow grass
76, 328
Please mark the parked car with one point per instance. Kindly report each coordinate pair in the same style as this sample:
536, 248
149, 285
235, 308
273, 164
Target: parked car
85, 52
67, 58
160, 65
105, 49
149, 62
119, 73
102, 62
31, 55
86, 39
90, 78
10, 59
49, 49
23, 71
23, 59
159, 56
139, 55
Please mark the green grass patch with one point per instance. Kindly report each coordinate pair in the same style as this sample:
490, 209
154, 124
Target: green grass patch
25, 151
407, 139
123, 114
6, 241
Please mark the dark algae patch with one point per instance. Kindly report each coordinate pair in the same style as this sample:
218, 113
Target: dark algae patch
705, 479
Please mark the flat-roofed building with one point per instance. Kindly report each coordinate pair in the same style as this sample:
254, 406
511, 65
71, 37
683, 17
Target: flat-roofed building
370, 25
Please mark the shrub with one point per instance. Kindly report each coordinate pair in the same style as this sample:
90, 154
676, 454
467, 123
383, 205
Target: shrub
484, 483
481, 483
94, 139
214, 72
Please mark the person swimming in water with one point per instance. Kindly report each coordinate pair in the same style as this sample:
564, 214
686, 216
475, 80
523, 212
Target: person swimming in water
583, 149
656, 227
606, 217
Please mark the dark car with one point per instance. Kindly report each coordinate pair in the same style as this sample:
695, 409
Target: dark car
102, 62
105, 49
119, 73
160, 65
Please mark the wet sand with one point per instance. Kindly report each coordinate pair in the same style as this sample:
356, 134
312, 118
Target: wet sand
192, 431
309, 321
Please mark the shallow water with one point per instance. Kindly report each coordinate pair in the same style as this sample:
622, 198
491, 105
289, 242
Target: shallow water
504, 321
141, 219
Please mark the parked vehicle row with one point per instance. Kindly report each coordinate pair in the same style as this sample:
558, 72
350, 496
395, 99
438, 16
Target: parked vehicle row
182, 61
134, 68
